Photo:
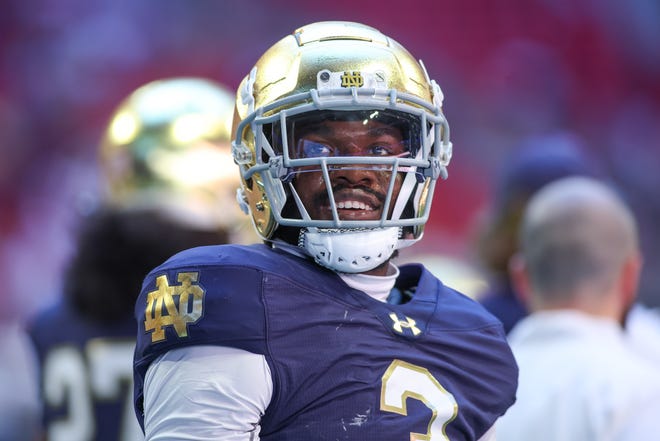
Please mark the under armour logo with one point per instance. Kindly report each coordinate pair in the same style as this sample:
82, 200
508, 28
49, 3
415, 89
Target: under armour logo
352, 79
407, 323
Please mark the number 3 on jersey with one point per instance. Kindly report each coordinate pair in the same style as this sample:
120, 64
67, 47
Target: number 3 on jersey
162, 309
404, 380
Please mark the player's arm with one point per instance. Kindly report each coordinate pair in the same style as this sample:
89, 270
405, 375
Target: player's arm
206, 392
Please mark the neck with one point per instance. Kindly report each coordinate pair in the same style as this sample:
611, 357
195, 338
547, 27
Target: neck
603, 306
381, 270
378, 287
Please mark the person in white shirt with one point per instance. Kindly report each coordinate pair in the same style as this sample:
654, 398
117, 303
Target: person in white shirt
578, 272
643, 330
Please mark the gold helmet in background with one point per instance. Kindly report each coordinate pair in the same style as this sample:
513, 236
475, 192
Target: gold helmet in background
338, 71
167, 147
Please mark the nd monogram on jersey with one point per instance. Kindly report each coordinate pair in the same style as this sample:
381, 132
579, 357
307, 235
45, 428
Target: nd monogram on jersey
189, 297
344, 366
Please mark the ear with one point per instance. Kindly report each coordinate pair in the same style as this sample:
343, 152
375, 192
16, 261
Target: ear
520, 279
629, 281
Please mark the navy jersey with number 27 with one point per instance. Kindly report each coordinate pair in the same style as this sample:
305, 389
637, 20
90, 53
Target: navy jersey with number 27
344, 366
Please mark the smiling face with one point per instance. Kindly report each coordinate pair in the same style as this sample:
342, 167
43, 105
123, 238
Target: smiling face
360, 191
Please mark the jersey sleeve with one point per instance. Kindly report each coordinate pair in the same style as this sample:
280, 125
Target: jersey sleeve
183, 303
201, 305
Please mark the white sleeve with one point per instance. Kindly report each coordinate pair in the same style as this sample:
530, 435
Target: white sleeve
19, 383
206, 392
489, 436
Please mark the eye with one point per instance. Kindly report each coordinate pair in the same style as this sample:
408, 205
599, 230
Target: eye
399, 149
380, 150
312, 149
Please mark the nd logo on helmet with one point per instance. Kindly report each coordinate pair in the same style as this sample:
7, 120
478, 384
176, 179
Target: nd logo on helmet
352, 79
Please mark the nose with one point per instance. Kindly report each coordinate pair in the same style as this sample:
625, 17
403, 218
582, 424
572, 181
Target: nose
353, 176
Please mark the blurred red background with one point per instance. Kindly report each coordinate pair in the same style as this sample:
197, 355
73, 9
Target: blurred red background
509, 70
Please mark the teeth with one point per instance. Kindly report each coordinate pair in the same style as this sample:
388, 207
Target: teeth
354, 205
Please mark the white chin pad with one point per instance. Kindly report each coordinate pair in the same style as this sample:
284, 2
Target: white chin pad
350, 251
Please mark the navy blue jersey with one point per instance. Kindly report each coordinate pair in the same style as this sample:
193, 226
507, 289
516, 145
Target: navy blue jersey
344, 365
86, 376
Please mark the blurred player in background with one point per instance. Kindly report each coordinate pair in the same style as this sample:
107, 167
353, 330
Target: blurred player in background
171, 184
538, 161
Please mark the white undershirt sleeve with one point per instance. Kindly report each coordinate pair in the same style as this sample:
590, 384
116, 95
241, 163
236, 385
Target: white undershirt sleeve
206, 392
490, 435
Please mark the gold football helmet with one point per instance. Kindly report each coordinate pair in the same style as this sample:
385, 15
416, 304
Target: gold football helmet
167, 147
339, 71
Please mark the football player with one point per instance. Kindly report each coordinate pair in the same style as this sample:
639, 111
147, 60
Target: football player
162, 197
315, 333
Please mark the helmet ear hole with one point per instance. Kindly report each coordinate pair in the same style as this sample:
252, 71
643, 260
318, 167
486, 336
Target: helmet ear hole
249, 184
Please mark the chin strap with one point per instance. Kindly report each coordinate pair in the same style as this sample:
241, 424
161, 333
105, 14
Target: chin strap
350, 251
